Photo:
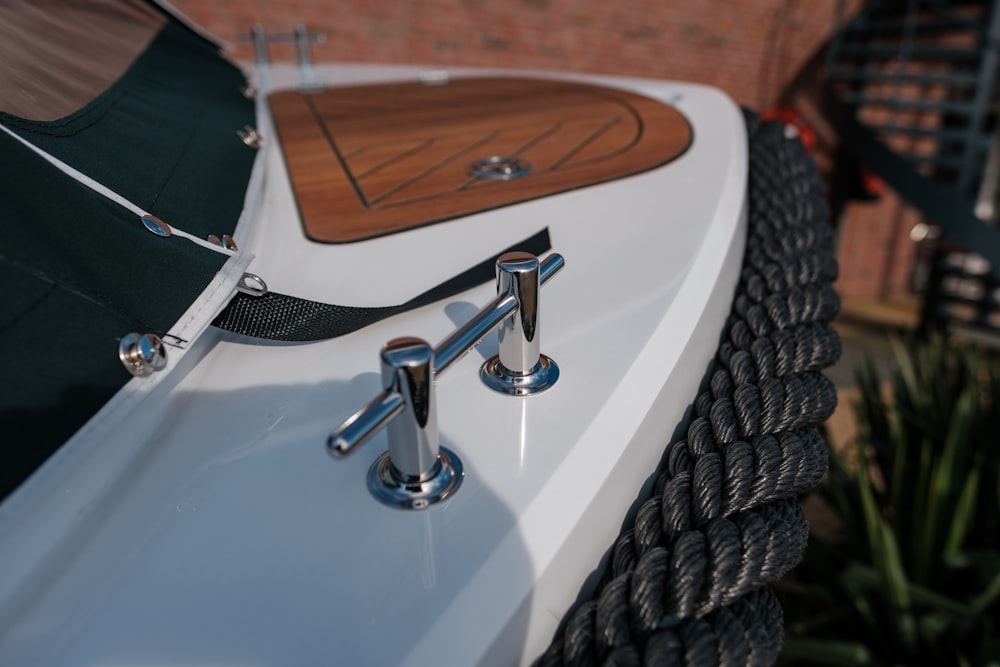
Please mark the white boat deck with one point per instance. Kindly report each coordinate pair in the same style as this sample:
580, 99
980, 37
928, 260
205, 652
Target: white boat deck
209, 525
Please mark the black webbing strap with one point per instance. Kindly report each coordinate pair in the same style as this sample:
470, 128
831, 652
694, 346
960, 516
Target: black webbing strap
288, 318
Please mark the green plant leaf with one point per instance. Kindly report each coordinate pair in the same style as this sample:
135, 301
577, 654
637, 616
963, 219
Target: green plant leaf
904, 362
920, 556
950, 479
886, 559
840, 491
865, 576
964, 514
832, 653
982, 602
915, 577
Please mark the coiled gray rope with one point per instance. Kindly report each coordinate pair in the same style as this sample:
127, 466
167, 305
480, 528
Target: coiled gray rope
687, 582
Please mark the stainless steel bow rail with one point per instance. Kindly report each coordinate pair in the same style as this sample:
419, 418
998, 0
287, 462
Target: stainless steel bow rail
303, 40
416, 471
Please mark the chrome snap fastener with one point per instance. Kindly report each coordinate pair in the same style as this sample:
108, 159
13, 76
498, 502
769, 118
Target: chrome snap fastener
249, 136
155, 225
226, 242
142, 354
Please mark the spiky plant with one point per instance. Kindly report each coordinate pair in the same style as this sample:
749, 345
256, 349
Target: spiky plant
913, 575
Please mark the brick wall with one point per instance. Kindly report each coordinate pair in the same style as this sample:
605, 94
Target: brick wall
749, 48
752, 49
874, 248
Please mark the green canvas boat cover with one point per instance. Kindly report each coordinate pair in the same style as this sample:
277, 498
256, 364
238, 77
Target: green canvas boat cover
80, 271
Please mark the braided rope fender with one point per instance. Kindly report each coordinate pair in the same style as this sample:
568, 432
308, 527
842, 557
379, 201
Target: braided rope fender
687, 582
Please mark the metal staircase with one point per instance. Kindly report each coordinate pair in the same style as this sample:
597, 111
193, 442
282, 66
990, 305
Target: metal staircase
913, 93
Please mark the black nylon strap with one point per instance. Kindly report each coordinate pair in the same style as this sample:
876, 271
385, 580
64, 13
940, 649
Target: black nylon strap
288, 318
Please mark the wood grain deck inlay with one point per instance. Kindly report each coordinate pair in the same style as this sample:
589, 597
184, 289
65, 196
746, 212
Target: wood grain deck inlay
371, 160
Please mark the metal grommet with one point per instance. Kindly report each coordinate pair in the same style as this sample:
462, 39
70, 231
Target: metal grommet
251, 284
143, 354
250, 136
155, 225
499, 167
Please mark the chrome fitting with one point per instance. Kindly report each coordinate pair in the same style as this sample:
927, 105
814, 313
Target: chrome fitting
520, 369
143, 354
499, 168
413, 440
249, 136
226, 242
416, 472
303, 40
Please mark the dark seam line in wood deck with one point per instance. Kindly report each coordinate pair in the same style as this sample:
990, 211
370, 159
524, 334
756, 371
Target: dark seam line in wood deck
318, 117
586, 142
393, 160
435, 167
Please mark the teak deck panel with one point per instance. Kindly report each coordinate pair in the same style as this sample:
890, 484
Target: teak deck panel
371, 160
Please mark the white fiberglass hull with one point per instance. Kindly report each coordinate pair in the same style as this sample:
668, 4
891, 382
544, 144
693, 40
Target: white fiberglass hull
204, 524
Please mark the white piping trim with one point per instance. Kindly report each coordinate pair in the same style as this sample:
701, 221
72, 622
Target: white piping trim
200, 30
258, 177
108, 193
